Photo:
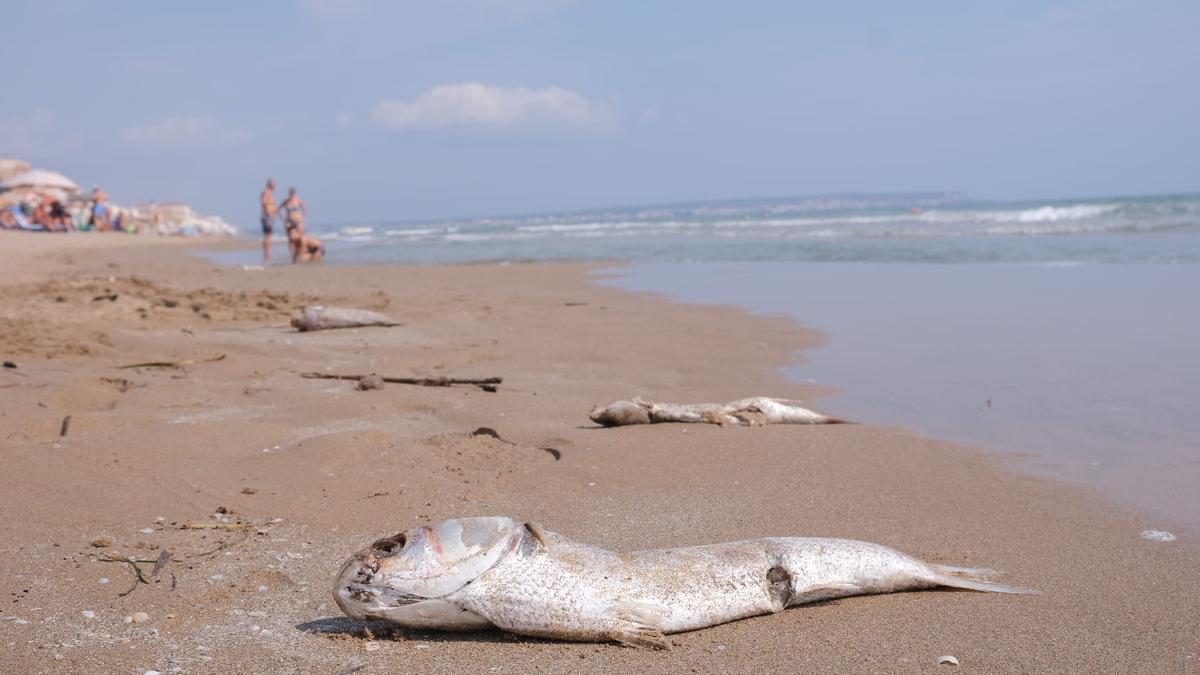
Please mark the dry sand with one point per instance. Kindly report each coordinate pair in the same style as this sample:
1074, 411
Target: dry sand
319, 470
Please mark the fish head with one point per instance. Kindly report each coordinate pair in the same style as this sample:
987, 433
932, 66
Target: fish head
619, 414
405, 578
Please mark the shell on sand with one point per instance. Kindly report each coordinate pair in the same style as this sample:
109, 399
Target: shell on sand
755, 411
476, 573
319, 317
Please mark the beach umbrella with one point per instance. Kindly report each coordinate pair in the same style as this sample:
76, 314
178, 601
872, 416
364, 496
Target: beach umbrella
10, 167
40, 178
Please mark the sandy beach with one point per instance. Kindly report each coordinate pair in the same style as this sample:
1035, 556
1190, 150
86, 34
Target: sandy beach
259, 482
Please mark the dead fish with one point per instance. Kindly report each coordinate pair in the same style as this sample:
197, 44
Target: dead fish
755, 411
477, 573
318, 317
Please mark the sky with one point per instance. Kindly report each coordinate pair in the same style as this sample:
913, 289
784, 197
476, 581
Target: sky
400, 110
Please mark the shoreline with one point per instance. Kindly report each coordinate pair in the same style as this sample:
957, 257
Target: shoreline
1094, 395
352, 466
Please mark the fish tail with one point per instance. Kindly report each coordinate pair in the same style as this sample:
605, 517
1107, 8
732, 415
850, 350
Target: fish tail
973, 578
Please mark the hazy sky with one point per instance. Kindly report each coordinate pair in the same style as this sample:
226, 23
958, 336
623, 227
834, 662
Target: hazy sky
404, 109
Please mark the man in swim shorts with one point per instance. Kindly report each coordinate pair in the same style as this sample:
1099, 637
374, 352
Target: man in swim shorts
267, 198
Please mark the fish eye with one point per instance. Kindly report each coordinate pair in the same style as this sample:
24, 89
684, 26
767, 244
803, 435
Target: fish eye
389, 546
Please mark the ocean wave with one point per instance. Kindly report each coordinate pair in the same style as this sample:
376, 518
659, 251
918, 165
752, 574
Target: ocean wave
964, 218
822, 228
418, 232
993, 231
1040, 214
834, 229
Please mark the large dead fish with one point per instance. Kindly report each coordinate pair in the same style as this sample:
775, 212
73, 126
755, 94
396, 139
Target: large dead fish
476, 573
319, 317
755, 411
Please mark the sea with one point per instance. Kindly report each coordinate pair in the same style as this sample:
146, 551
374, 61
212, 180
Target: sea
1060, 332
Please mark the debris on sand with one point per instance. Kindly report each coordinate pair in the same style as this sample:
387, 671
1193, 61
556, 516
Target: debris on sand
746, 412
173, 364
484, 383
1158, 535
370, 382
319, 317
123, 385
488, 431
216, 526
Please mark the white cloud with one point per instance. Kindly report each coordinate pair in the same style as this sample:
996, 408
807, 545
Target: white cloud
484, 106
177, 131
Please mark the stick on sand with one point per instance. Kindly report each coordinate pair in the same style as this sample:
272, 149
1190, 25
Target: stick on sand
173, 364
485, 383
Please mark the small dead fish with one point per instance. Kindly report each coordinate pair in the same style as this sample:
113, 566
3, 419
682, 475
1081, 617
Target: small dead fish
477, 573
319, 317
752, 412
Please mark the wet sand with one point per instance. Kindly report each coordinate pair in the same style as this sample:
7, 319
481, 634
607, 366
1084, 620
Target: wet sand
1085, 373
316, 470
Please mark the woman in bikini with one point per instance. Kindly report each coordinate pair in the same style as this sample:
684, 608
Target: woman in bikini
294, 211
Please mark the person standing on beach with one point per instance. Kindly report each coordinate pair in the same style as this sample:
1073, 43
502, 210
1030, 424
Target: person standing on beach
100, 213
294, 212
267, 198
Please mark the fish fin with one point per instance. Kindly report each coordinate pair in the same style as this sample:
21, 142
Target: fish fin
538, 534
820, 592
975, 579
639, 624
641, 636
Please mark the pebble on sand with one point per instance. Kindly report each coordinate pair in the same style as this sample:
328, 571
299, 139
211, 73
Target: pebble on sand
102, 580
369, 382
947, 659
1158, 535
88, 614
140, 617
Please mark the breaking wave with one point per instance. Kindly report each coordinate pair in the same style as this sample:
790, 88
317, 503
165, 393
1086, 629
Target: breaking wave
706, 231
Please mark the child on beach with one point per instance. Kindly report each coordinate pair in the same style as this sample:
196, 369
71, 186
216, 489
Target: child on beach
312, 249
100, 215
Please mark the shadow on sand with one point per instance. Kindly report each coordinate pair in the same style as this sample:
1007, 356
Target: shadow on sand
343, 627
